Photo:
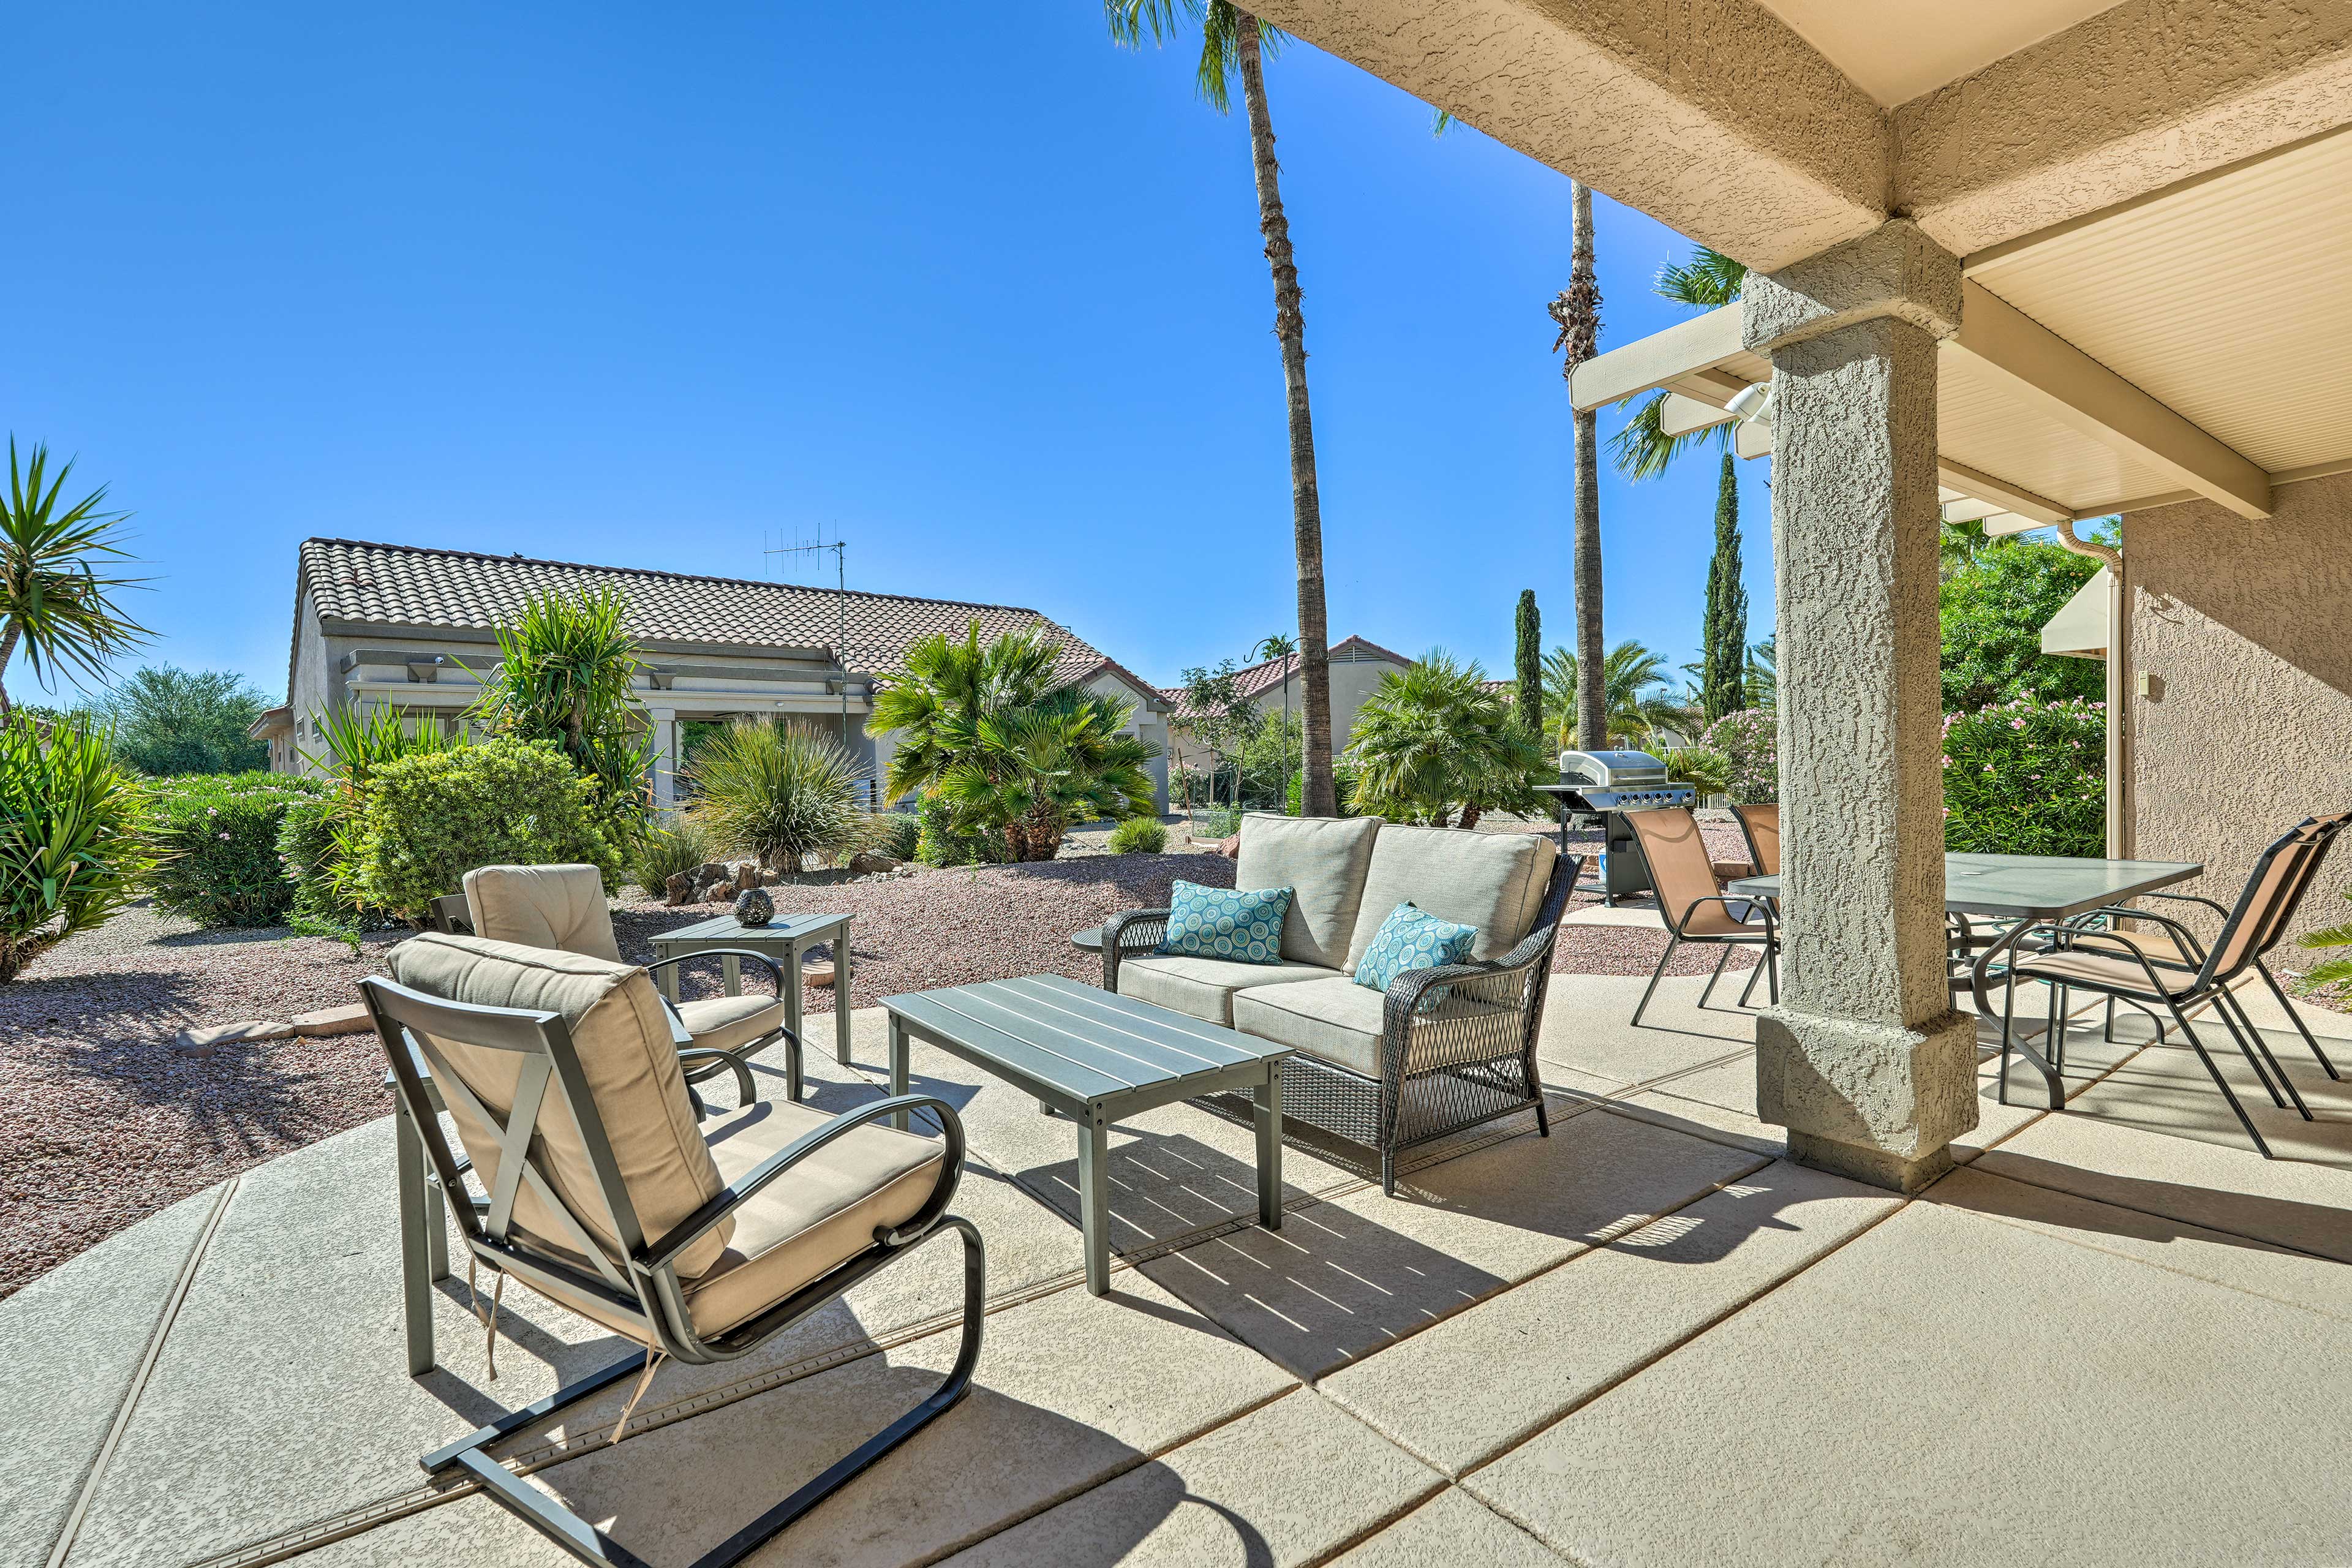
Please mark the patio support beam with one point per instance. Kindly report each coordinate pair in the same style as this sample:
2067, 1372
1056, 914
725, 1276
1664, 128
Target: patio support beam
1864, 1062
665, 766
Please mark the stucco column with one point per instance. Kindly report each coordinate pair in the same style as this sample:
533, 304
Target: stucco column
1866, 1062
665, 720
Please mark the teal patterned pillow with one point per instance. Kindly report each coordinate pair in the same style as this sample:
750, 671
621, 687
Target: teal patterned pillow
1412, 939
1242, 925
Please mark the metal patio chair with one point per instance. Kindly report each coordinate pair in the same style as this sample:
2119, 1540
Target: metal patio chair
2172, 969
598, 1190
563, 907
1759, 825
1671, 844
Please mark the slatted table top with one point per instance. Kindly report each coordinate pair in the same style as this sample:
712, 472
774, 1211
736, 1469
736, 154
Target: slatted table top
1048, 1032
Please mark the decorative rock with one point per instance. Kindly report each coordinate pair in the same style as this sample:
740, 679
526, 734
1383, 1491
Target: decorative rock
202, 1042
351, 1020
1231, 848
866, 862
747, 876
816, 974
680, 888
754, 908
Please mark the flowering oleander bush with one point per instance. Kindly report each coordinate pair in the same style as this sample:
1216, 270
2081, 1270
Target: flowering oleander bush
1749, 740
218, 836
2027, 777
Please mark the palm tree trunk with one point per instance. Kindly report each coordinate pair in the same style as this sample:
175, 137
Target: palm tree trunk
7, 652
1581, 331
1305, 505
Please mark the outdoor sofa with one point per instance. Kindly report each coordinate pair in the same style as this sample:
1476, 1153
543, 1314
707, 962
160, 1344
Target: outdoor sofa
1388, 1070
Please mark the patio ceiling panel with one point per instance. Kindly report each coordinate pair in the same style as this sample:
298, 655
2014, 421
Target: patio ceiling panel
2227, 298
1980, 423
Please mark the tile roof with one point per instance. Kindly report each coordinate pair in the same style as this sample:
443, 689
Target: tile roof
1256, 680
396, 586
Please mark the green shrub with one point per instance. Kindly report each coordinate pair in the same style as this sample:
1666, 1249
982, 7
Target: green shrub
781, 792
2027, 778
73, 848
1992, 610
943, 838
171, 723
1216, 822
679, 847
321, 839
433, 816
217, 836
1138, 835
900, 834
1702, 768
1749, 741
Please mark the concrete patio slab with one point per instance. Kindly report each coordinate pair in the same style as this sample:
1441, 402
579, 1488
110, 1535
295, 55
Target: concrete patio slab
1644, 915
1469, 1388
2043, 1417
2166, 1090
1452, 1527
72, 1343
1284, 1486
1587, 1025
1345, 1279
1073, 1389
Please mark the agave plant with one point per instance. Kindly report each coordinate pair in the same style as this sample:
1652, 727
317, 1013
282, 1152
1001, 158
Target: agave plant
72, 849
780, 793
1432, 744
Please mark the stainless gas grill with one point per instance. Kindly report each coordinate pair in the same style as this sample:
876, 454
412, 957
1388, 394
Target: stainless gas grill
1602, 786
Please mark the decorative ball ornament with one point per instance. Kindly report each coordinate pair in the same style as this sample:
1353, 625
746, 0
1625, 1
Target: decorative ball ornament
753, 907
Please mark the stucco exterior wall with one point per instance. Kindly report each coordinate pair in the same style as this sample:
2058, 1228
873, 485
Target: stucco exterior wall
2241, 635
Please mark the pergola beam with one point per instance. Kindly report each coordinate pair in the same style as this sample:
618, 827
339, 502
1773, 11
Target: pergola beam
1681, 351
1682, 415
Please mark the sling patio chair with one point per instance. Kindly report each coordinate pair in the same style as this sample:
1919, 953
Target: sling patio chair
2170, 968
1693, 908
1759, 825
598, 1190
563, 907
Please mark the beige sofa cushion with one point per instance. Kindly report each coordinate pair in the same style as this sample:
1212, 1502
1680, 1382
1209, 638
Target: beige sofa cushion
631, 1065
1494, 881
1205, 987
1323, 859
542, 906
1334, 1019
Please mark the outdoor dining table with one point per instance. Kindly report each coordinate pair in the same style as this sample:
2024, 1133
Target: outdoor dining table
2024, 890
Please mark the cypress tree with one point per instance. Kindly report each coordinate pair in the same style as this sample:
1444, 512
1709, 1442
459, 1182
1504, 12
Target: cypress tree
1723, 686
1528, 666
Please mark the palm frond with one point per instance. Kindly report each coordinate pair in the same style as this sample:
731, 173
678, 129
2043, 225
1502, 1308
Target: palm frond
1641, 449
1708, 280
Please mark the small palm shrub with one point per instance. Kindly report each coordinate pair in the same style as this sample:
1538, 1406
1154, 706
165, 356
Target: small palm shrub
780, 793
1702, 768
944, 839
73, 846
433, 816
2338, 970
217, 836
900, 834
1138, 835
1749, 740
667, 851
2027, 778
1432, 744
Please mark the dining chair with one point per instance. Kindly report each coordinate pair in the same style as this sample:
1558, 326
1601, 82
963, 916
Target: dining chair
1693, 908
1759, 825
598, 1190
2172, 969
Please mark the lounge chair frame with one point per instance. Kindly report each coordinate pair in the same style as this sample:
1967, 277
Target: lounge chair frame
642, 1288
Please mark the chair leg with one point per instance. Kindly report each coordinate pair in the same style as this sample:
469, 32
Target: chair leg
1388, 1172
1755, 974
2219, 1082
1673, 941
2226, 1005
2008, 1021
2108, 1033
1719, 963
1772, 969
2300, 1026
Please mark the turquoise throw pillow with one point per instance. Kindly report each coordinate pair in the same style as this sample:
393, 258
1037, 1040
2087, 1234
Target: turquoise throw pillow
1413, 939
1243, 925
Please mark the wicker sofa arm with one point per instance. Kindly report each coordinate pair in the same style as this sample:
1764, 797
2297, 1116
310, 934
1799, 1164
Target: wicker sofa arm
1136, 930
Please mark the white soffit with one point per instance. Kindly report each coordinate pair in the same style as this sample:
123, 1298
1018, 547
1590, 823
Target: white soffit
1896, 49
2229, 300
1980, 423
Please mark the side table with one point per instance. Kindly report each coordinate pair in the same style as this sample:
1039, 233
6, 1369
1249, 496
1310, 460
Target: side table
783, 939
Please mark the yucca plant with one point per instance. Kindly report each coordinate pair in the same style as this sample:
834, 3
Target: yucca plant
72, 849
780, 793
566, 672
55, 606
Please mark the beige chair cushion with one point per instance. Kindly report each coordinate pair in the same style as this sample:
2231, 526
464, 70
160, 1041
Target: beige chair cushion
1323, 859
1205, 987
1494, 881
727, 1022
631, 1065
1334, 1019
542, 906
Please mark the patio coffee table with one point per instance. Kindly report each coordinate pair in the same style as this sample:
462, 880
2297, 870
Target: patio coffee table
783, 939
1094, 1058
2025, 889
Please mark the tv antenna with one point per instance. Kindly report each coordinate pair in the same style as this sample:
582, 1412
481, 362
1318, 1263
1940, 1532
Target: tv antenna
779, 557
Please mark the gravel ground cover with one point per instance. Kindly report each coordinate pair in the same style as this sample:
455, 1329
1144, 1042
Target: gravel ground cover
103, 1122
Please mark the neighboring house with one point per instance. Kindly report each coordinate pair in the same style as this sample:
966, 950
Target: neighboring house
1357, 666
396, 626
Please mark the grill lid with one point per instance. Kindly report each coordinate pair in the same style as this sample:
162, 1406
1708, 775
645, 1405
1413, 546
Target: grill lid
1612, 769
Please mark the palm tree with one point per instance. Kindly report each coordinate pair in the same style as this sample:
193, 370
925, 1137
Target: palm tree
1640, 450
1577, 312
1233, 43
1959, 543
1281, 645
53, 602
1431, 741
948, 686
1041, 767
1763, 679
1633, 683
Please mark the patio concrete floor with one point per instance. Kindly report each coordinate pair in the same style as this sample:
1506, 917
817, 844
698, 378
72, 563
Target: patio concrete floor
2113, 1335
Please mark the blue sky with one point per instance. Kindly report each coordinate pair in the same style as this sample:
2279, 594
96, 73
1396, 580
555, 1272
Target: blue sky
966, 286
